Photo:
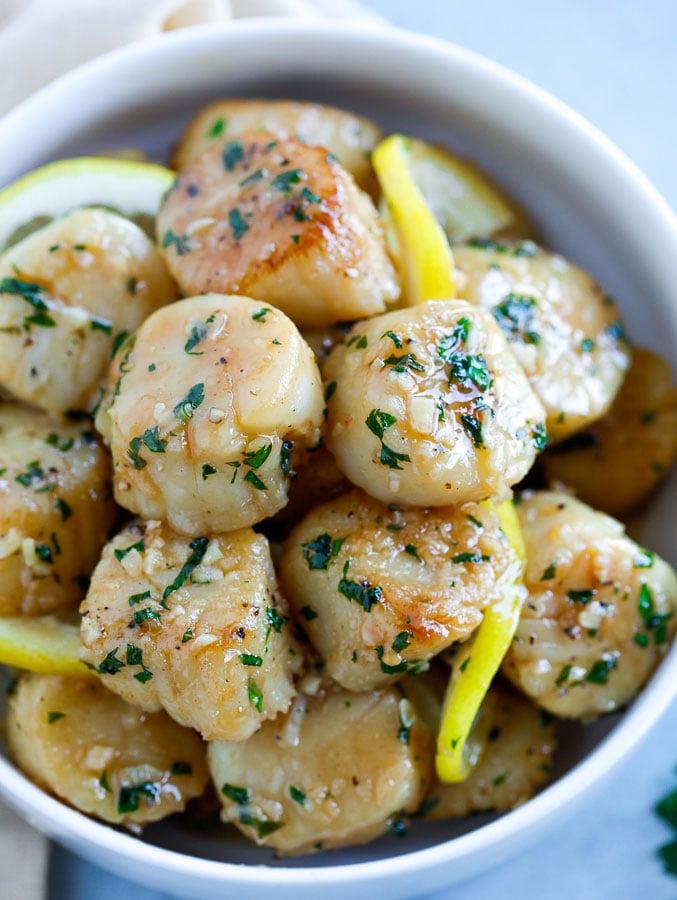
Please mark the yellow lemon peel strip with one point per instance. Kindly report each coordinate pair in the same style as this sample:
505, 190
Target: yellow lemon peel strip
477, 661
425, 256
42, 644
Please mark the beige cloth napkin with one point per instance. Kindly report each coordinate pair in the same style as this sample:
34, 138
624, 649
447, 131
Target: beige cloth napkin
40, 40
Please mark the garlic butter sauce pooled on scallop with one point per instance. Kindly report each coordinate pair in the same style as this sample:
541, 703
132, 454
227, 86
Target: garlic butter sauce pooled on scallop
563, 329
204, 408
101, 755
279, 221
600, 613
195, 626
349, 137
339, 768
68, 293
427, 406
56, 508
380, 591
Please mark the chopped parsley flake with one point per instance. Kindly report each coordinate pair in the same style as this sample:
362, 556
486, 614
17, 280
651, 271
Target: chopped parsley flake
250, 659
599, 673
260, 316
473, 428
653, 621
232, 154
403, 362
198, 548
64, 508
255, 176
153, 441
254, 694
377, 422
138, 598
318, 552
297, 795
583, 597
139, 545
284, 181
133, 454
237, 223
198, 332
549, 573
181, 242
185, 409
54, 717
145, 615
216, 128
395, 338
467, 557
130, 796
363, 593
239, 795
32, 293
207, 470
515, 317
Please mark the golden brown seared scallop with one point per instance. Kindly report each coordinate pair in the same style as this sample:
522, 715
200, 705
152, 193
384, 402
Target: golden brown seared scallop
621, 459
56, 509
379, 591
194, 626
563, 329
350, 137
427, 406
515, 763
204, 409
339, 768
281, 222
68, 292
599, 614
101, 755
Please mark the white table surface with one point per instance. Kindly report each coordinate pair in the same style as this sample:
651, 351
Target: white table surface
614, 61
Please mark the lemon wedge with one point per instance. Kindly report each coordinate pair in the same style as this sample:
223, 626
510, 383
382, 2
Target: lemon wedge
133, 189
426, 261
459, 744
42, 644
462, 199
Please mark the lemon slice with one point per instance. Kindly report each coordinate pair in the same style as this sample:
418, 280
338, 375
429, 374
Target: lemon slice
459, 745
463, 200
133, 189
425, 257
43, 644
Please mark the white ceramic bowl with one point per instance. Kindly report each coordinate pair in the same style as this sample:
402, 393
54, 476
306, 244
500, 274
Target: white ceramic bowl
590, 203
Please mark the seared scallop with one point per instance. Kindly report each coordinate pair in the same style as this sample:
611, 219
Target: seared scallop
338, 769
69, 294
621, 459
562, 327
101, 755
379, 590
205, 407
599, 614
194, 626
428, 406
349, 137
56, 510
281, 222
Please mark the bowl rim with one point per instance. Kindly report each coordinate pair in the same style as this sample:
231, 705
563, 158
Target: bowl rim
66, 824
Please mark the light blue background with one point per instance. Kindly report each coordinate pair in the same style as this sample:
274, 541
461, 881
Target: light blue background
614, 61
